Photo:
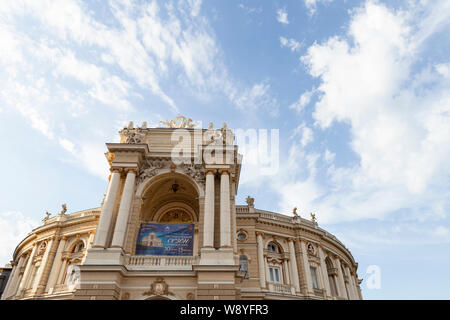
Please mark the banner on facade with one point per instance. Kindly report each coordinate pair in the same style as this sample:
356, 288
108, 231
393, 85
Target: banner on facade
165, 239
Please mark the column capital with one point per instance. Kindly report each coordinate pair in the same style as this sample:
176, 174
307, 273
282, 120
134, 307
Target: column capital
210, 171
131, 169
291, 239
64, 238
259, 233
223, 171
116, 169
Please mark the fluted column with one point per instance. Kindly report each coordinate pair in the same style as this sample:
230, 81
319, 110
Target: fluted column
306, 267
26, 273
341, 284
208, 223
323, 267
107, 211
56, 267
225, 211
293, 262
43, 265
262, 272
124, 210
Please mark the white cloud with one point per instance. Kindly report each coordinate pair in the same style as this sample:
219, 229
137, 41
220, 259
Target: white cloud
282, 16
292, 44
305, 133
303, 101
71, 64
14, 226
329, 156
311, 5
398, 116
258, 97
67, 144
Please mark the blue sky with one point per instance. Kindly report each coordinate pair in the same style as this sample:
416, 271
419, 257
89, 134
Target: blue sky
359, 91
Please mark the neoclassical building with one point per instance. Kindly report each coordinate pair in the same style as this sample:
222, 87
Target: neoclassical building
169, 228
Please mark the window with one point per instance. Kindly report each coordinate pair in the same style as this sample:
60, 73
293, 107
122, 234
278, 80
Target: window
79, 247
242, 236
274, 274
243, 265
315, 284
272, 247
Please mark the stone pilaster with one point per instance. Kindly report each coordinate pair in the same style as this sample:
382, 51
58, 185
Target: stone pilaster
293, 262
261, 263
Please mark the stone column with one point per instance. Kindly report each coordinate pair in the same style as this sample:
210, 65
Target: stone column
107, 211
124, 210
233, 217
56, 267
286, 272
355, 287
323, 267
208, 223
195, 247
293, 262
266, 266
225, 211
350, 284
62, 271
12, 283
90, 239
43, 265
306, 267
261, 264
341, 284
26, 273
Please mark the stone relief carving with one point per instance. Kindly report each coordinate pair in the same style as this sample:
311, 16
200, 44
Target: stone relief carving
151, 168
196, 172
133, 137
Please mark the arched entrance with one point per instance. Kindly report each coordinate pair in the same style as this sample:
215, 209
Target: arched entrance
169, 216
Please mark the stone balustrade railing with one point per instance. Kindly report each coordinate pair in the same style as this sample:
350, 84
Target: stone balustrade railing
280, 288
150, 262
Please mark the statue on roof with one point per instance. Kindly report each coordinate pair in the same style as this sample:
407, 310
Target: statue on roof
250, 201
179, 122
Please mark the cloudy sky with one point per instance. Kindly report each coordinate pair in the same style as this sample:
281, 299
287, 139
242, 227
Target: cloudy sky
359, 90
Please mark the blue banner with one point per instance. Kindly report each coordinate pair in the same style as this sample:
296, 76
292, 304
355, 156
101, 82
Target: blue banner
165, 239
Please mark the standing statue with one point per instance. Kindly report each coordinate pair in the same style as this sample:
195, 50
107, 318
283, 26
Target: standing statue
250, 201
294, 211
47, 215
64, 209
313, 218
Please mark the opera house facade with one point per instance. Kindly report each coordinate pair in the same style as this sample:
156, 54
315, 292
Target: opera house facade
168, 228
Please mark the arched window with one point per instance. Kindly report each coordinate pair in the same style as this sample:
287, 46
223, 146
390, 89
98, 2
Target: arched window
273, 247
79, 247
243, 265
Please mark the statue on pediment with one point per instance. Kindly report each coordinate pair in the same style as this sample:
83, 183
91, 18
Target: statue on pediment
179, 122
